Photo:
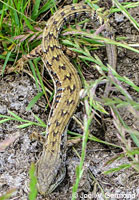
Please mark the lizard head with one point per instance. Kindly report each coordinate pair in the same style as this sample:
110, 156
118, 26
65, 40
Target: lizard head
50, 172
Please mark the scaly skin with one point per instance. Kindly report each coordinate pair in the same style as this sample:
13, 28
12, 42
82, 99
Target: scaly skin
51, 166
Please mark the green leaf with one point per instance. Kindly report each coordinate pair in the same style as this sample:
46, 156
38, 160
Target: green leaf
4, 120
33, 183
24, 125
46, 7
40, 121
34, 100
5, 63
8, 194
28, 24
14, 115
35, 9
124, 166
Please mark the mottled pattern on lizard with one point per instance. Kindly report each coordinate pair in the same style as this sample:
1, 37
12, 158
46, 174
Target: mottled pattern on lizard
51, 165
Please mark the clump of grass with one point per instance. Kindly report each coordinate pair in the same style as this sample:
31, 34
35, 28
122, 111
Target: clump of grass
24, 123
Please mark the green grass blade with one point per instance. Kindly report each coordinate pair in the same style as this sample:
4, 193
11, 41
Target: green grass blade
4, 120
6, 61
40, 121
8, 195
46, 7
25, 125
33, 183
28, 24
124, 11
15, 116
123, 166
34, 73
35, 9
16, 11
34, 100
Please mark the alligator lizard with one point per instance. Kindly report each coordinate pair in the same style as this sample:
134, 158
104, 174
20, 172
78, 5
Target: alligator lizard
51, 165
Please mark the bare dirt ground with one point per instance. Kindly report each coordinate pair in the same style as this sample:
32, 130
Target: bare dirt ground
16, 91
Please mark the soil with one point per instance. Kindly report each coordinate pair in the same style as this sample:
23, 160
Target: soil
16, 91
